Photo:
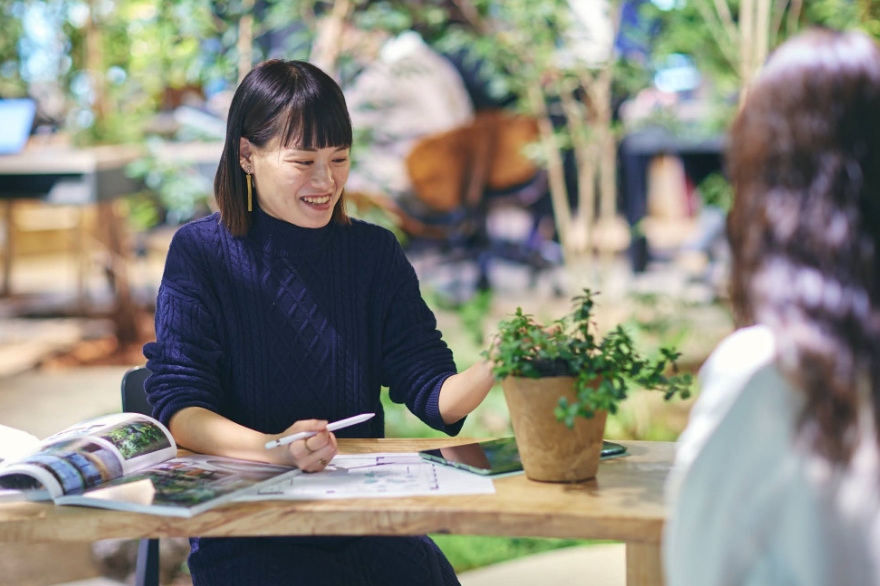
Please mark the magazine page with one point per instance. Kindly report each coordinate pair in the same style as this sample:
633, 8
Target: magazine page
14, 443
65, 466
139, 440
90, 453
182, 486
9, 495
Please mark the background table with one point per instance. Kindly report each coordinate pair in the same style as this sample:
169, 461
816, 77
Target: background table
76, 176
700, 155
624, 503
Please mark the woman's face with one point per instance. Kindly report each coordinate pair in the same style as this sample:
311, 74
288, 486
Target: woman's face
297, 185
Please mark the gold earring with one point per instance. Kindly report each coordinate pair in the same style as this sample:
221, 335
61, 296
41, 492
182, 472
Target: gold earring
250, 191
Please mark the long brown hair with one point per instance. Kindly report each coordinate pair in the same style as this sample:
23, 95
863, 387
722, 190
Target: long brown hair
291, 99
804, 230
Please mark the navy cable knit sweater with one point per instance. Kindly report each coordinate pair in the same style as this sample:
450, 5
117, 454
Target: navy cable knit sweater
291, 323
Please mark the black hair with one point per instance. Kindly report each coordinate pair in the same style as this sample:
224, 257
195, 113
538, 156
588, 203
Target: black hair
293, 100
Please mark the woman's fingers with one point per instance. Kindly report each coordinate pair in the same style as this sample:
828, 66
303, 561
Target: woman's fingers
315, 452
306, 425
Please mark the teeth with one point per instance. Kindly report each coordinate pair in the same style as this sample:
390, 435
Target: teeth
317, 200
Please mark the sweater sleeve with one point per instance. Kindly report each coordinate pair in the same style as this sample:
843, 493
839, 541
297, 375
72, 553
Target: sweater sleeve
415, 359
185, 360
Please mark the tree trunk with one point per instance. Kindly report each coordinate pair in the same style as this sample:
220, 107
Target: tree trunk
328, 44
245, 43
94, 61
585, 156
555, 168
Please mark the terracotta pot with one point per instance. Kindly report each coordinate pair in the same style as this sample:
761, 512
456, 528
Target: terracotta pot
550, 451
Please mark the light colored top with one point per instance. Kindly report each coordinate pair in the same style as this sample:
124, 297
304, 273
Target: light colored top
410, 92
749, 503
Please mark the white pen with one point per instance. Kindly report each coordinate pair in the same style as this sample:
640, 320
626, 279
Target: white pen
347, 422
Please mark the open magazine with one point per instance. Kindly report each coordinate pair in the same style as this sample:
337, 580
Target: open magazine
127, 462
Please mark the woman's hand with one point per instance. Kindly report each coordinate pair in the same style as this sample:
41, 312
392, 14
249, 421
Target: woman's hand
311, 454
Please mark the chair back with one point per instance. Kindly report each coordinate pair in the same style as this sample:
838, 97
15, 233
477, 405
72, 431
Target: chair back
134, 397
134, 400
454, 168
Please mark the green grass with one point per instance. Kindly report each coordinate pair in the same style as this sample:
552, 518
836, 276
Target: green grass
468, 552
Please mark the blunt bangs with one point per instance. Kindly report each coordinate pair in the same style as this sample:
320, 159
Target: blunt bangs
316, 118
298, 103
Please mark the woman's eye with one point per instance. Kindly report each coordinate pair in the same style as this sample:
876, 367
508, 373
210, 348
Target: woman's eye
341, 160
302, 162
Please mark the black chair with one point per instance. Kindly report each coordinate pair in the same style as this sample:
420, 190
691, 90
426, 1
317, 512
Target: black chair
134, 400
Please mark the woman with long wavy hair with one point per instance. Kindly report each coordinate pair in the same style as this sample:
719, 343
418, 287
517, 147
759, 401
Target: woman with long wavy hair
777, 476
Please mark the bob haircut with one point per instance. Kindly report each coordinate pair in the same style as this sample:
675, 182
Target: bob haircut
804, 230
293, 100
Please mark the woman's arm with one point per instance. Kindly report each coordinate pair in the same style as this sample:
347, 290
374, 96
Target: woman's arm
463, 392
206, 432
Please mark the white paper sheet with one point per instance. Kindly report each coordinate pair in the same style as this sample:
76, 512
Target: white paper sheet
376, 476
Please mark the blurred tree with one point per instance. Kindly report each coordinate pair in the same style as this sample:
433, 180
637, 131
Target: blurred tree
117, 58
845, 14
730, 39
558, 57
11, 82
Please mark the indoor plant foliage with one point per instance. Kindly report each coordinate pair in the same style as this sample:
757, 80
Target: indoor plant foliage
580, 376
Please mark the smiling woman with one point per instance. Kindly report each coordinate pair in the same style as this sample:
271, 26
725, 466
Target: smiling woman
280, 314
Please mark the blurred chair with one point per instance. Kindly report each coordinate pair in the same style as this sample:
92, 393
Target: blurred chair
462, 175
134, 400
458, 177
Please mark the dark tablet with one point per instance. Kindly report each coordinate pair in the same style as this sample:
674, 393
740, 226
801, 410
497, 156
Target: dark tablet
494, 456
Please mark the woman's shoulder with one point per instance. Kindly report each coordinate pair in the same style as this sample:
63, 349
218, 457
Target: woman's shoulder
201, 230
373, 241
743, 352
196, 243
364, 230
739, 385
742, 361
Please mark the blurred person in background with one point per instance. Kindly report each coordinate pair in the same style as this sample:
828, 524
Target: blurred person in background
777, 476
403, 92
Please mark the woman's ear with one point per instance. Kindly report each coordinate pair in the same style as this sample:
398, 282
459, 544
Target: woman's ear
245, 151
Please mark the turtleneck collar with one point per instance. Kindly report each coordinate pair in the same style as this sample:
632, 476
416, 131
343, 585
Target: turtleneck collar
281, 237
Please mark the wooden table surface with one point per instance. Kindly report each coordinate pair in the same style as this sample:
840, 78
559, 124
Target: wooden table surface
61, 160
624, 503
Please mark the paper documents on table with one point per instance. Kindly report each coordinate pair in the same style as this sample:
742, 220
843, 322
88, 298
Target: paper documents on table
375, 475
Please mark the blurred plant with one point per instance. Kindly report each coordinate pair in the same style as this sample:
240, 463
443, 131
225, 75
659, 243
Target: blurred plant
535, 44
660, 319
472, 314
174, 187
730, 39
845, 14
717, 191
111, 61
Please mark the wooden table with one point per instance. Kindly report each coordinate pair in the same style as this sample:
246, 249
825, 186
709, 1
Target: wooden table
624, 503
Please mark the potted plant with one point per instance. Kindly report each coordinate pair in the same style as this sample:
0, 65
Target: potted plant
561, 381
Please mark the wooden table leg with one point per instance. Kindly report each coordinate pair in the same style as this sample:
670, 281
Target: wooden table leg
6, 288
643, 565
125, 313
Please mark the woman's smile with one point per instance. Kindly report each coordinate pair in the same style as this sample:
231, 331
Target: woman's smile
319, 202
